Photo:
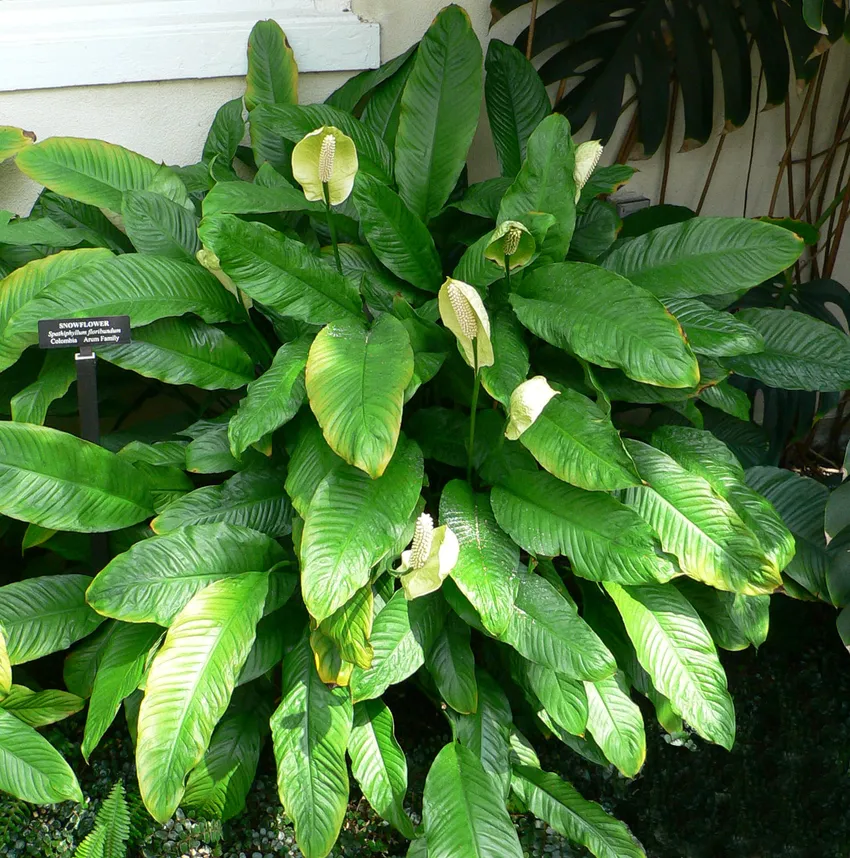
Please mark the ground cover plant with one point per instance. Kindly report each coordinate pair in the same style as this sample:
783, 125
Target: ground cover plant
378, 425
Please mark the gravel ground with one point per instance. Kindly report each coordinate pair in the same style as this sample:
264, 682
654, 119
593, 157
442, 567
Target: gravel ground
782, 792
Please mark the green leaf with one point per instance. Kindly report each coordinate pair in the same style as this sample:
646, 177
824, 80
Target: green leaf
483, 198
108, 838
545, 183
727, 398
184, 351
397, 236
705, 256
402, 633
5, 666
616, 723
601, 536
273, 399
576, 442
156, 578
713, 332
356, 378
279, 272
96, 172
121, 668
159, 226
462, 810
351, 524
350, 627
40, 708
218, 787
800, 352
34, 230
451, 663
12, 140
704, 531
487, 564
439, 112
676, 650
146, 288
311, 728
57, 374
487, 731
226, 133
31, 769
564, 699
44, 615
511, 353
252, 499
82, 661
356, 88
517, 103
597, 228
581, 821
190, 683
310, 462
246, 198
546, 629
379, 764
604, 319
272, 72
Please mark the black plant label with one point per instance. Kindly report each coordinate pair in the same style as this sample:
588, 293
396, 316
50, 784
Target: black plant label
75, 333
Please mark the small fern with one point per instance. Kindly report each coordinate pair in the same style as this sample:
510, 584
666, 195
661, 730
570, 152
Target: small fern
15, 816
108, 838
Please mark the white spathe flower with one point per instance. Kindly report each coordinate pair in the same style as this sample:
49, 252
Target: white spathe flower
432, 555
527, 402
325, 156
587, 159
464, 314
511, 244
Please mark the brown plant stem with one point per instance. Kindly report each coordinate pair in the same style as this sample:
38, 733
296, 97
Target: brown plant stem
786, 157
718, 149
531, 28
668, 146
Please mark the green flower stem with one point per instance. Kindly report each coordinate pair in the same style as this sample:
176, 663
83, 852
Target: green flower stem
508, 272
331, 226
473, 409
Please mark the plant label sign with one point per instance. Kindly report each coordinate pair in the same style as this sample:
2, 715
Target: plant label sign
81, 333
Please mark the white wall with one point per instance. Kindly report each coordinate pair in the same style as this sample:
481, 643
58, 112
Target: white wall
168, 121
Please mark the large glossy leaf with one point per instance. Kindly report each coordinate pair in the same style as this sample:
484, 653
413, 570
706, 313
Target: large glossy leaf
356, 378
12, 140
451, 663
184, 351
488, 561
545, 183
564, 699
27, 283
40, 708
190, 683
44, 615
713, 332
676, 650
5, 665
511, 356
160, 226
311, 728
218, 787
154, 580
704, 531
439, 112
546, 629
602, 537
396, 235
576, 442
278, 271
584, 822
310, 462
355, 89
516, 103
82, 661
57, 374
350, 627
146, 288
96, 172
379, 764
351, 524
31, 769
800, 352
119, 673
402, 634
616, 723
247, 198
605, 319
463, 811
486, 732
254, 499
705, 256
271, 400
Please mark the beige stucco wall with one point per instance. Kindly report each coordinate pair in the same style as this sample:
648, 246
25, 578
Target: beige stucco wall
168, 121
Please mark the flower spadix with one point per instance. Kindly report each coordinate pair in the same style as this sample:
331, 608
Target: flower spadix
464, 314
431, 556
325, 156
511, 245
587, 157
527, 402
